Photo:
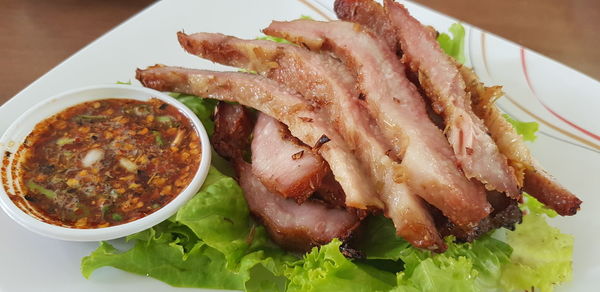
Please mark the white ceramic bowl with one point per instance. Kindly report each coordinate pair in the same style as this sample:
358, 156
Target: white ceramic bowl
20, 129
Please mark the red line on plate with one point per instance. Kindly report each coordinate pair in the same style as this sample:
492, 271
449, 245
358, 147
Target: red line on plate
577, 127
552, 126
525, 110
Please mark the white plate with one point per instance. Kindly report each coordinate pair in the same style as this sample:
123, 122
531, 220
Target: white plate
565, 103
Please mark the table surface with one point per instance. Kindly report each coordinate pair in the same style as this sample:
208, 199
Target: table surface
37, 35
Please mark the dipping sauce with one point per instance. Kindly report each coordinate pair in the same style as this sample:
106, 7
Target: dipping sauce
108, 162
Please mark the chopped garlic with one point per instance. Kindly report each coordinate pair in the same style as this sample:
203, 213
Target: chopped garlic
92, 157
128, 165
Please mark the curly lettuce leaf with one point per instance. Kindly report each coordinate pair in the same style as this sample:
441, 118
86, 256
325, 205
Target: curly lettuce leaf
534, 206
472, 266
379, 241
164, 258
326, 269
542, 256
526, 129
212, 208
454, 45
202, 107
441, 274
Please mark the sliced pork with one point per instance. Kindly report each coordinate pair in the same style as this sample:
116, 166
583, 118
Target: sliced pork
530, 175
371, 13
506, 214
233, 126
547, 190
428, 164
331, 193
475, 150
283, 163
326, 82
288, 107
295, 227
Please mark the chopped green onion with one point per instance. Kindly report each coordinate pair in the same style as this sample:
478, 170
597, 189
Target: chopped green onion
42, 190
155, 205
158, 138
164, 119
117, 217
105, 209
64, 141
89, 118
84, 209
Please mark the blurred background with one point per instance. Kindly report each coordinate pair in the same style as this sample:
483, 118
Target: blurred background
37, 35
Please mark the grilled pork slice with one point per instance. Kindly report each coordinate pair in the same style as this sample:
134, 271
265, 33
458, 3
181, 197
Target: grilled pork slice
371, 12
331, 193
283, 163
326, 82
475, 150
506, 214
428, 163
271, 98
543, 187
293, 226
233, 126
530, 175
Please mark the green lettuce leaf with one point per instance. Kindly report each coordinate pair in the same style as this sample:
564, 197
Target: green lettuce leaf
455, 45
220, 202
526, 129
277, 39
532, 205
202, 107
472, 266
274, 39
164, 258
326, 269
379, 241
542, 256
441, 274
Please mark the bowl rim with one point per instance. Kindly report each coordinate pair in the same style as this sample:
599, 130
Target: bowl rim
106, 233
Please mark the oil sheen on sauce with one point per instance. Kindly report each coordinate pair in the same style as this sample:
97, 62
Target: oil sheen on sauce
108, 162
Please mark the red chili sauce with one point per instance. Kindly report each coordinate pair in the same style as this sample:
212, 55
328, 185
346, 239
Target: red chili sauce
108, 162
